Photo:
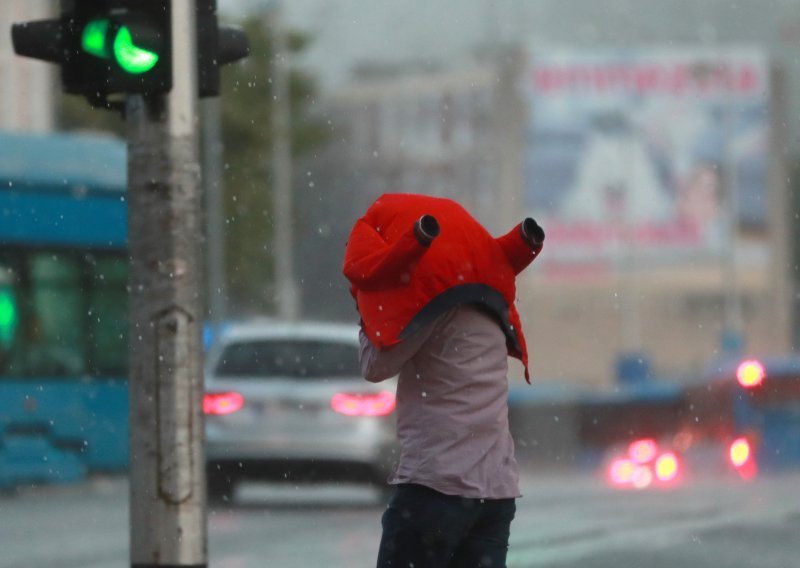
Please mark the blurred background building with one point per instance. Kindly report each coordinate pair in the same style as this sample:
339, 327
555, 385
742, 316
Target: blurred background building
28, 88
683, 255
654, 265
427, 131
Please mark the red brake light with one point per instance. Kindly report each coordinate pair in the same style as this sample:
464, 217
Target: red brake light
742, 458
622, 471
750, 373
643, 451
667, 467
222, 402
644, 466
626, 472
361, 404
739, 452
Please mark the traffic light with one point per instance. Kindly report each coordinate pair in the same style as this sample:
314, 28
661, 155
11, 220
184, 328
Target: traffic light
216, 46
116, 47
104, 47
8, 316
121, 47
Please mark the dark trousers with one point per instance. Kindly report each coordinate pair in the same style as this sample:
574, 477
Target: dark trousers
423, 528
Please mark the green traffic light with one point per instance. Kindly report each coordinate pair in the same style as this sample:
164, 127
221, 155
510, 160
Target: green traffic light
131, 58
8, 317
93, 38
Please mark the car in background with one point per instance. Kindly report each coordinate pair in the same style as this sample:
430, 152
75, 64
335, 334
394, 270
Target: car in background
287, 402
674, 461
741, 417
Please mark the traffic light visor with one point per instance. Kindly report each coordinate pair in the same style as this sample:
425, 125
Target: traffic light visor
40, 39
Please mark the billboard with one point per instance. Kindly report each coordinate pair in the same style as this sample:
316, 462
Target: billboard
658, 155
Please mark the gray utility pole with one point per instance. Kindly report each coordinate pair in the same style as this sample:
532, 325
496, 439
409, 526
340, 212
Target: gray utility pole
215, 212
287, 299
167, 470
733, 334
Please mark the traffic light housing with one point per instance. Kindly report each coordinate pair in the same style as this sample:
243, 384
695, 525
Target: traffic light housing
117, 47
104, 47
216, 46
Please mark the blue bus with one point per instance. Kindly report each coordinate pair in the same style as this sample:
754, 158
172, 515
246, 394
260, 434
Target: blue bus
63, 307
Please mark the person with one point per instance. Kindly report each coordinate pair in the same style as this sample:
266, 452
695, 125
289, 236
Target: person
456, 480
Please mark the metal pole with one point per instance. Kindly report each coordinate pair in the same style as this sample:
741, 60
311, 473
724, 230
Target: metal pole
631, 324
287, 300
733, 338
215, 214
167, 484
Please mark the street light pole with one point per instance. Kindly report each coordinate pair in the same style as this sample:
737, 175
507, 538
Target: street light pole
215, 213
167, 484
733, 331
287, 297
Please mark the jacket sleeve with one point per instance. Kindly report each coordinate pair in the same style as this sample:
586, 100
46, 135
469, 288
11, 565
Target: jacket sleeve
370, 263
378, 365
522, 244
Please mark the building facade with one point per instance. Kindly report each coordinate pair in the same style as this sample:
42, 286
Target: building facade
433, 132
28, 89
675, 290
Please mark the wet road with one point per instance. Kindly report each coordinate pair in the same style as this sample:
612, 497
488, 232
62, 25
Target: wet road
565, 519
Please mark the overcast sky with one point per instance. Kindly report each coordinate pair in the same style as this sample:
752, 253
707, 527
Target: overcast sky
350, 31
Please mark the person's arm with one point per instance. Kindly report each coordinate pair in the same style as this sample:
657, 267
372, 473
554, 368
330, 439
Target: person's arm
378, 365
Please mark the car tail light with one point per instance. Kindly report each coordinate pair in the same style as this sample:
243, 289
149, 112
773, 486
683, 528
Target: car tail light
628, 473
667, 467
222, 402
643, 451
739, 452
750, 373
741, 456
622, 471
642, 477
643, 466
363, 404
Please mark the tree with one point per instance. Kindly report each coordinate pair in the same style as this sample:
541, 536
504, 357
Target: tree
247, 140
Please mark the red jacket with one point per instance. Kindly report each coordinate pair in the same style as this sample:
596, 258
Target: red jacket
403, 278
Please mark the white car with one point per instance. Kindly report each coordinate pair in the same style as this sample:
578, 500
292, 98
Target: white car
286, 401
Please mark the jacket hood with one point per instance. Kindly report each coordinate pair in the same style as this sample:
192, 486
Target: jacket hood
412, 257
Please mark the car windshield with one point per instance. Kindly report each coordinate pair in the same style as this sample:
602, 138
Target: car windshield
301, 359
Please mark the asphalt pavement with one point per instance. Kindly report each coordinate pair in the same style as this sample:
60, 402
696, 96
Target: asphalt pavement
565, 519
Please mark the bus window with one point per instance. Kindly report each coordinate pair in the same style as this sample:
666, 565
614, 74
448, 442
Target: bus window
63, 314
9, 313
55, 344
107, 300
